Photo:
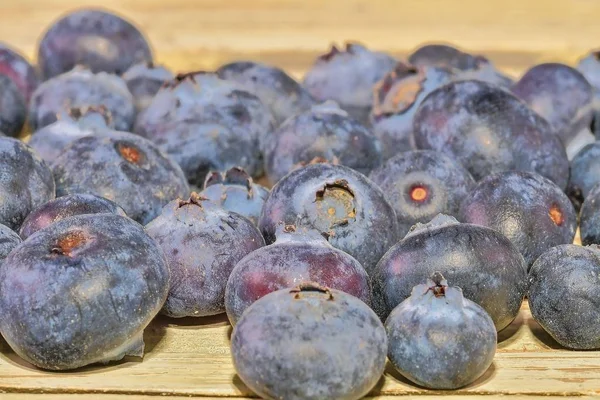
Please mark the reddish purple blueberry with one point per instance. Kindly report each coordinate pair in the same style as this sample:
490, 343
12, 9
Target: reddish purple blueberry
19, 70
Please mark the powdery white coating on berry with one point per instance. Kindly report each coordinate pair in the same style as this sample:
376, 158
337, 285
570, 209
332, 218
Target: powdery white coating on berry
564, 297
302, 344
124, 168
81, 88
531, 211
19, 70
81, 291
8, 241
144, 80
26, 182
202, 243
324, 131
440, 342
13, 109
585, 171
276, 89
294, 258
444, 182
51, 140
482, 262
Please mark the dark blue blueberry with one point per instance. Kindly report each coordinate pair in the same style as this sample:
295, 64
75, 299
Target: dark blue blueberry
82, 291
337, 201
325, 131
202, 243
81, 88
585, 172
26, 182
9, 239
13, 109
422, 184
439, 339
489, 130
235, 191
531, 211
589, 66
65, 207
49, 141
121, 167
309, 343
347, 77
296, 256
482, 262
99, 40
276, 89
19, 70
564, 297
144, 80
396, 98
589, 218
207, 124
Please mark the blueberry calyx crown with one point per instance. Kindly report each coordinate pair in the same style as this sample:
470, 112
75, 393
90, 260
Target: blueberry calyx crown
311, 287
67, 243
233, 176
195, 199
185, 76
398, 90
77, 113
336, 203
302, 234
439, 284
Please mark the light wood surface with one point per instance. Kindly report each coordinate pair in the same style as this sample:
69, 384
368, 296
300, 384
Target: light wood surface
191, 358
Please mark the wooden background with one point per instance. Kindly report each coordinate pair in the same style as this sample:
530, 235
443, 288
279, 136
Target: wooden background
191, 358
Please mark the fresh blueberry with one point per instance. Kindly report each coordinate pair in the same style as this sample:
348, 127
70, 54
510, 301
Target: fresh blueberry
482, 262
337, 201
347, 77
489, 130
531, 211
65, 207
309, 342
564, 297
13, 110
295, 256
589, 218
144, 80
49, 141
396, 98
235, 191
124, 168
422, 184
26, 182
276, 89
561, 95
81, 88
82, 291
19, 70
99, 40
207, 124
589, 66
9, 239
325, 131
202, 243
436, 327
585, 172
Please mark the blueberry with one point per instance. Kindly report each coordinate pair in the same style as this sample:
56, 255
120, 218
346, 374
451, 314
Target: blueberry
9, 239
19, 70
121, 167
82, 291
561, 95
438, 328
467, 66
564, 297
49, 141
589, 66
482, 262
296, 256
65, 207
527, 208
589, 218
235, 191
26, 182
324, 131
337, 201
99, 40
347, 77
309, 342
144, 80
422, 184
202, 243
396, 99
81, 88
207, 124
585, 172
489, 130
276, 89
13, 110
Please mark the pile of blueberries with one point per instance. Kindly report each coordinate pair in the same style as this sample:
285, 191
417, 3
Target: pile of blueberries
414, 205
